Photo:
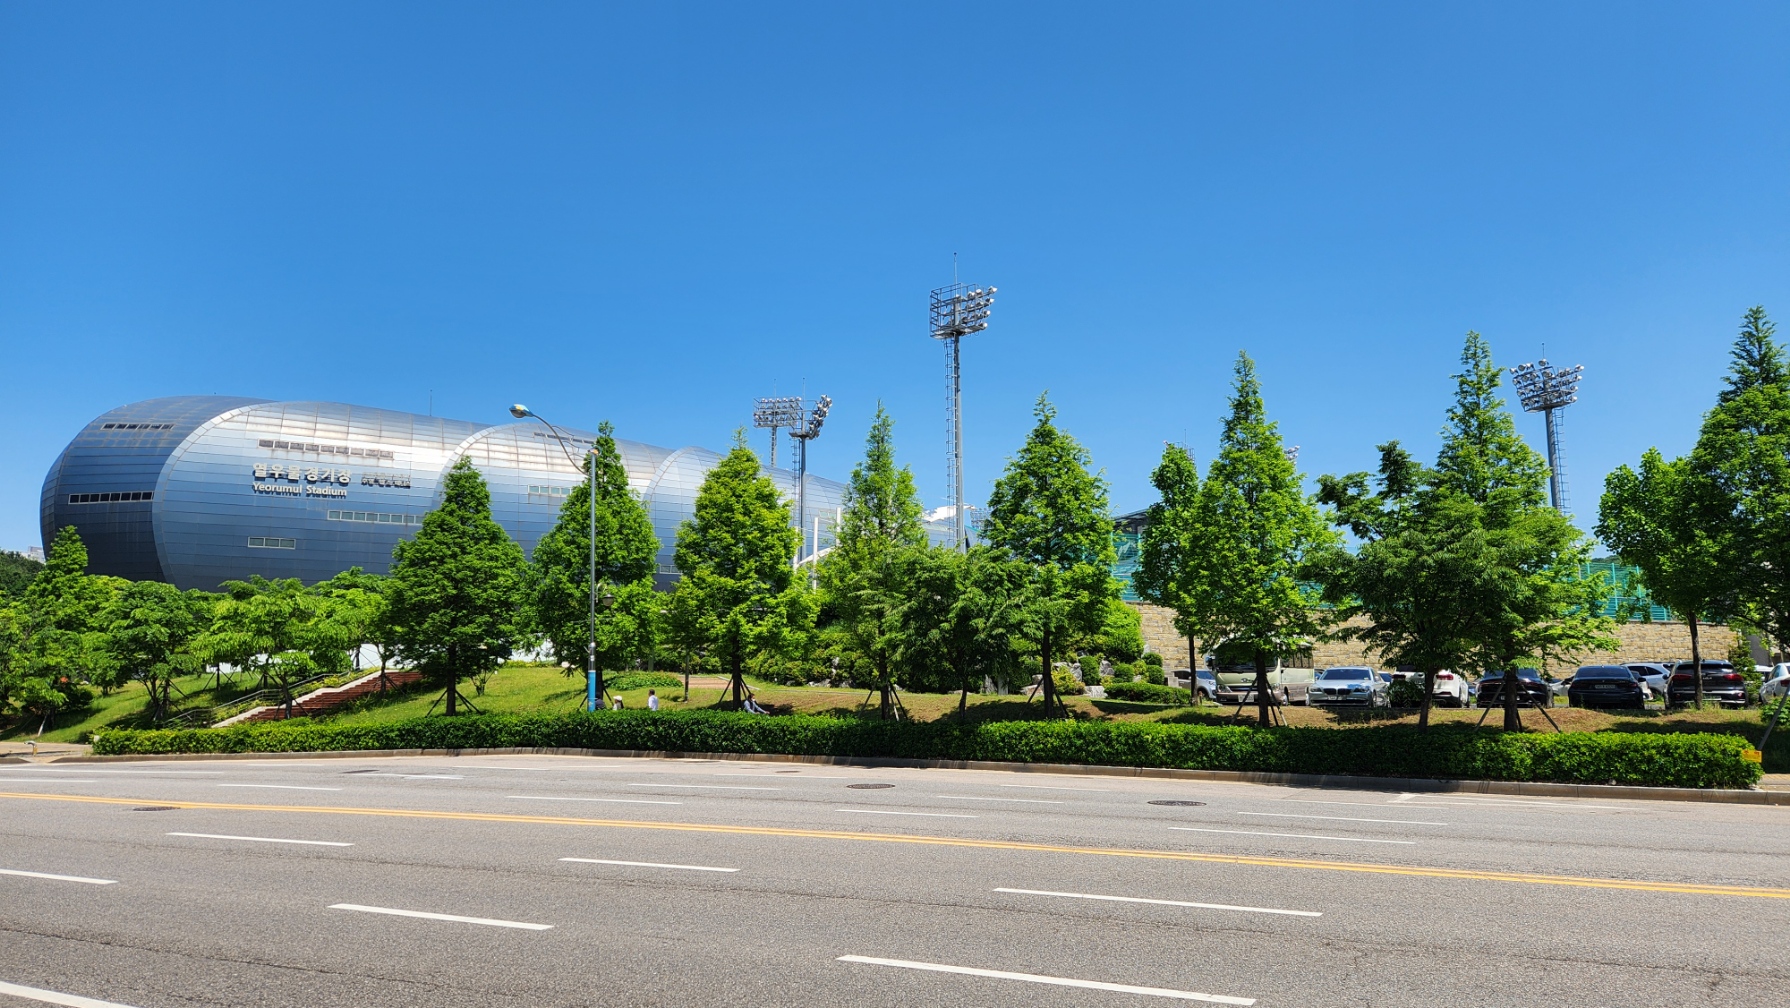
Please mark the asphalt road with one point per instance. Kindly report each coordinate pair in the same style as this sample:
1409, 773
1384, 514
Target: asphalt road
572, 881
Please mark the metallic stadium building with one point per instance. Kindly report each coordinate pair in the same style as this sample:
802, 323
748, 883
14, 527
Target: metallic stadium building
198, 490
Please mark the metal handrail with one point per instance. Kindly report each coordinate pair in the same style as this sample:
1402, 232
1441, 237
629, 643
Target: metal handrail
259, 698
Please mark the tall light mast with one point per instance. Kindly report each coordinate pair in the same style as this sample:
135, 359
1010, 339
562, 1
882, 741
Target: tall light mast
957, 311
1547, 390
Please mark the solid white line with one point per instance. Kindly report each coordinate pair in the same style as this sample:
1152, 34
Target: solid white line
1338, 818
622, 801
263, 839
1029, 801
1300, 836
40, 780
775, 773
1054, 981
941, 815
441, 917
715, 787
1160, 902
1052, 787
58, 878
647, 864
284, 787
418, 776
88, 770
55, 997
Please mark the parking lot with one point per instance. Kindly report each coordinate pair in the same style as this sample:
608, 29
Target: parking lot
583, 881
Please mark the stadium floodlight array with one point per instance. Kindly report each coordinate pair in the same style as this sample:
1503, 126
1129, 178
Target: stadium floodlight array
1547, 390
957, 311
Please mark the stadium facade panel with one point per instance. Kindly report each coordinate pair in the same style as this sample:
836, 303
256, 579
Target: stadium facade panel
198, 490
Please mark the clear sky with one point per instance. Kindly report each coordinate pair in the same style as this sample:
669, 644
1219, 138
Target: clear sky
654, 213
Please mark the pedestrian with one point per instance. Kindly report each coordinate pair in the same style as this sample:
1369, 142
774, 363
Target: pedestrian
618, 703
652, 700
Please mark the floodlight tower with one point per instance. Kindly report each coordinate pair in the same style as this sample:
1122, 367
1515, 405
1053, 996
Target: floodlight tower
957, 311
1547, 390
805, 429
777, 414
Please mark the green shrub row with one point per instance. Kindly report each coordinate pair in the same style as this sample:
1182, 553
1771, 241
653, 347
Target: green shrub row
1150, 693
621, 681
1448, 752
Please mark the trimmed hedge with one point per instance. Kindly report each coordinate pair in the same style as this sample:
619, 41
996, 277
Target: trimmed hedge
1448, 752
1150, 693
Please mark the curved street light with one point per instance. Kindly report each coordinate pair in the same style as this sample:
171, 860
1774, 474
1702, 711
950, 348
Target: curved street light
593, 676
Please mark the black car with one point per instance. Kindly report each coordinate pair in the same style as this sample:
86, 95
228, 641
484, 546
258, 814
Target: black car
1530, 689
1721, 683
1606, 686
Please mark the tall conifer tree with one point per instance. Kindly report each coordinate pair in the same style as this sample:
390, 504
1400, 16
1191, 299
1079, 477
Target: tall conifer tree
738, 595
1050, 513
1251, 531
456, 599
626, 547
860, 579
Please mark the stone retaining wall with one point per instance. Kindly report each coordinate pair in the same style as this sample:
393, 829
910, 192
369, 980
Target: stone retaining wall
1640, 642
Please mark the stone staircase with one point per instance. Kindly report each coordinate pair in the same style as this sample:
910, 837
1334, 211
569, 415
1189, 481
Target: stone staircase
324, 700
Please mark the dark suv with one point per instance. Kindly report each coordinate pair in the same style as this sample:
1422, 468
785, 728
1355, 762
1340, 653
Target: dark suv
1720, 683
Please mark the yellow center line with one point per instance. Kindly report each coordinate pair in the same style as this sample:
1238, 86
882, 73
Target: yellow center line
1692, 888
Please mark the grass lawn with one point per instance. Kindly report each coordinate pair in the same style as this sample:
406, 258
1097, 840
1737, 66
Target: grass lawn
124, 707
518, 689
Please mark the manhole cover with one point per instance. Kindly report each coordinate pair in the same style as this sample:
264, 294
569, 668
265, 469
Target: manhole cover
156, 808
867, 787
1175, 801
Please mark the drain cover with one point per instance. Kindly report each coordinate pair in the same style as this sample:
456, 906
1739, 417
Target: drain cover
156, 808
1175, 801
867, 787
789, 771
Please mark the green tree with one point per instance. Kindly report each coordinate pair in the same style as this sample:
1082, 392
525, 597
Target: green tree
155, 632
960, 617
1050, 513
1415, 589
1166, 555
1666, 521
16, 571
63, 613
280, 630
1743, 455
738, 596
457, 592
1251, 531
354, 613
860, 583
625, 549
1539, 607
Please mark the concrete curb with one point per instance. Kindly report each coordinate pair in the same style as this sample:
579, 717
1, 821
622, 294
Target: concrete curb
1528, 789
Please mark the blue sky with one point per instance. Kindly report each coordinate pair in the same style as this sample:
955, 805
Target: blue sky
655, 213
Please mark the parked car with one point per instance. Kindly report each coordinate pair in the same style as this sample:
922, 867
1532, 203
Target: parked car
1347, 686
1653, 675
1721, 683
1776, 684
1450, 689
1530, 689
1205, 682
1606, 686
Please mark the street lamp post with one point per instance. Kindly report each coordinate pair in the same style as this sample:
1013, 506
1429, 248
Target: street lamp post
594, 678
